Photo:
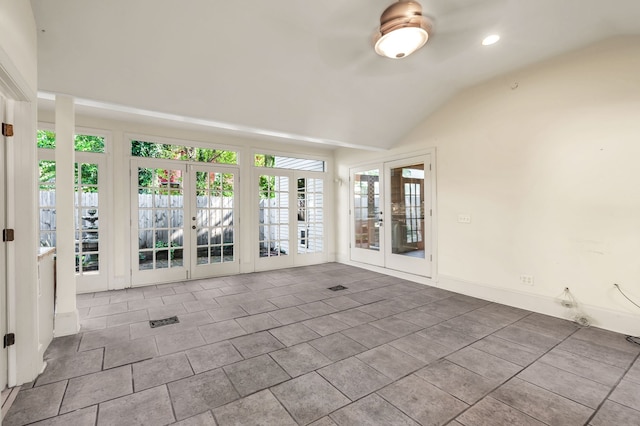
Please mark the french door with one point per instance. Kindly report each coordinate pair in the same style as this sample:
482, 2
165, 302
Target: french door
290, 219
391, 215
3, 257
184, 217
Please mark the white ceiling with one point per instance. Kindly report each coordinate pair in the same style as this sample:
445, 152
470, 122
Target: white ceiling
298, 69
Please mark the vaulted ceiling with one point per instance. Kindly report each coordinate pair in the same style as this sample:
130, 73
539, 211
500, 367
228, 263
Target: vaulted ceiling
299, 70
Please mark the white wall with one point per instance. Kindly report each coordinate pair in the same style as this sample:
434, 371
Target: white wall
18, 79
119, 156
545, 160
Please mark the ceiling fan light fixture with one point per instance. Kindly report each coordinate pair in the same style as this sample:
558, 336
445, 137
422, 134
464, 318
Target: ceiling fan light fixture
491, 39
403, 30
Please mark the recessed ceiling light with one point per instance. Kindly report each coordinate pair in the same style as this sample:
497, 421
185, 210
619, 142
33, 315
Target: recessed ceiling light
489, 40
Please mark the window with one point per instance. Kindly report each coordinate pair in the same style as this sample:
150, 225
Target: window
182, 152
290, 163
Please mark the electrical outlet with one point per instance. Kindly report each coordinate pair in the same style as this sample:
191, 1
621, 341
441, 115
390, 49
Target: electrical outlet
464, 218
526, 279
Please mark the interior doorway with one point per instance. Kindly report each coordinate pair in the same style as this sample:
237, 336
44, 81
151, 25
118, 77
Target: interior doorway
392, 214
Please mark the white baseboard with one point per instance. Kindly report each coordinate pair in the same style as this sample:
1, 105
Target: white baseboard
66, 323
608, 319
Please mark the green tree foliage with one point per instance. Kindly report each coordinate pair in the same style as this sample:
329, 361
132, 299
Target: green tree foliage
88, 172
267, 183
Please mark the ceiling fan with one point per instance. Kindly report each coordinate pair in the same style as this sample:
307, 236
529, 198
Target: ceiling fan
403, 30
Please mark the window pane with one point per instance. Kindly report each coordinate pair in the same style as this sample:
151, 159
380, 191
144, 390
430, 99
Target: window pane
182, 152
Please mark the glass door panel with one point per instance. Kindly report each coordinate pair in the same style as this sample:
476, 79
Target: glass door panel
407, 210
391, 215
367, 216
408, 192
273, 221
160, 209
214, 230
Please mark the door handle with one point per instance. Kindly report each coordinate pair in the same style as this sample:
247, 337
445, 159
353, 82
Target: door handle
193, 227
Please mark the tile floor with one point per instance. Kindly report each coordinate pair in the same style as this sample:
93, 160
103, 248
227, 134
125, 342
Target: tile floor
278, 348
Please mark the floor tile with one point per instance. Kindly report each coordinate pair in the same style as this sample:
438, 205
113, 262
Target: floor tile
484, 364
289, 315
606, 354
422, 401
179, 342
337, 346
612, 413
66, 367
160, 370
420, 348
110, 309
308, 398
528, 338
286, 301
209, 294
385, 308
419, 318
97, 387
261, 408
129, 352
300, 359
395, 326
556, 328
325, 421
260, 322
213, 356
256, 344
84, 417
469, 325
35, 404
448, 337
200, 393
258, 306
353, 317
200, 305
634, 372
371, 410
325, 325
317, 309
149, 407
178, 298
607, 338
509, 351
342, 303
136, 305
93, 324
491, 412
63, 346
369, 335
127, 318
255, 374
354, 378
584, 367
390, 361
293, 334
627, 393
202, 419
220, 331
576, 388
457, 381
227, 313
447, 308
166, 311
542, 404
102, 338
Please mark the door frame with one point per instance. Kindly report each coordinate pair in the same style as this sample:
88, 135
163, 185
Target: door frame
293, 258
186, 271
213, 269
4, 370
381, 260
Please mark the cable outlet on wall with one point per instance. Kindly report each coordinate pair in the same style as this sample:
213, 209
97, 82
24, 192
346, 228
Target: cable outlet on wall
526, 279
464, 218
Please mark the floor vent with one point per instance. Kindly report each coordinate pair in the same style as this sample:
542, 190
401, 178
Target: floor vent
164, 321
337, 288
